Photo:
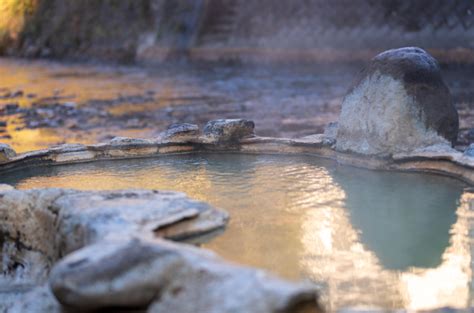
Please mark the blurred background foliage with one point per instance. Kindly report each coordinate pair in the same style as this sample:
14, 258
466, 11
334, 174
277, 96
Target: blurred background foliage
13, 14
131, 30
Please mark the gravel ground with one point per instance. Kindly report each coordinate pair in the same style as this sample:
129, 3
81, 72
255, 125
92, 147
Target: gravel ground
46, 103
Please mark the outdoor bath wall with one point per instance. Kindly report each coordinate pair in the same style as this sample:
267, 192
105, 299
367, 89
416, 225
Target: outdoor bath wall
103, 230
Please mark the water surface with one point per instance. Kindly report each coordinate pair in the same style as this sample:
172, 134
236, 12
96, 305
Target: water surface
386, 239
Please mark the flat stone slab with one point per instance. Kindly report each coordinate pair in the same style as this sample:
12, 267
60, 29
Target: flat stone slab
133, 213
40, 226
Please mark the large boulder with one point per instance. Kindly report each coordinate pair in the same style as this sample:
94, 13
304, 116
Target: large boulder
171, 277
398, 103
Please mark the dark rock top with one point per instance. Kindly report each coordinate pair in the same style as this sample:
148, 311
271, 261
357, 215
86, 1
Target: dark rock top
6, 152
228, 130
406, 84
184, 132
184, 128
422, 79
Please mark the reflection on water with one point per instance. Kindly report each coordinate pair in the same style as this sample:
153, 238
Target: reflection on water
392, 240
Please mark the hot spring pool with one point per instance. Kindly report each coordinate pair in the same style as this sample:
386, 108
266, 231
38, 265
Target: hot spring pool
385, 239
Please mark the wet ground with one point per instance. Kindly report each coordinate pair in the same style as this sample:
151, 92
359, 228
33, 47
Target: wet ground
46, 103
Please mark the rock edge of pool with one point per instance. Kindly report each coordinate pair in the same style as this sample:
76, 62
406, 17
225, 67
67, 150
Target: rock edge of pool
62, 251
89, 243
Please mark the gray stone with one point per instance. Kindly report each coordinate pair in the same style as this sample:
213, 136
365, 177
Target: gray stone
64, 148
118, 259
39, 226
119, 141
229, 130
6, 153
37, 300
330, 134
28, 234
398, 103
181, 133
172, 278
87, 217
330, 131
469, 150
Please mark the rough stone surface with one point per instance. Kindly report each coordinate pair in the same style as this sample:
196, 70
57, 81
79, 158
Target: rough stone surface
118, 141
65, 148
120, 259
398, 103
87, 217
229, 130
469, 151
181, 133
29, 246
40, 226
37, 300
173, 278
330, 131
6, 153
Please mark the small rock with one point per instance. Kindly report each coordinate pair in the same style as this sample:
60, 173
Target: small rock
180, 133
3, 124
12, 108
6, 153
70, 105
16, 94
35, 124
229, 130
134, 123
399, 103
11, 95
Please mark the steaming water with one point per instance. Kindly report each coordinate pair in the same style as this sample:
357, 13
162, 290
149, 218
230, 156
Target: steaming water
391, 240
